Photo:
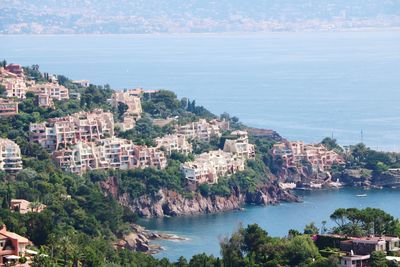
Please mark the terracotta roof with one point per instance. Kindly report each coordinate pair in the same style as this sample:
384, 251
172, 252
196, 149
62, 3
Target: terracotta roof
20, 239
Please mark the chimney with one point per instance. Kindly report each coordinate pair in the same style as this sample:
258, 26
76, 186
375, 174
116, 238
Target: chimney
3, 229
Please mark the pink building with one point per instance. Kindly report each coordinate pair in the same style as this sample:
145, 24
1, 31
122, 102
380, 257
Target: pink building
8, 107
12, 246
82, 126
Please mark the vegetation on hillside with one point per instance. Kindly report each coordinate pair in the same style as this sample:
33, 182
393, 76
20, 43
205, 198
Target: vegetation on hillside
80, 222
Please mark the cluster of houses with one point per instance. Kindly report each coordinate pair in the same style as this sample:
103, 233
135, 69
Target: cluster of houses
85, 141
295, 154
356, 251
208, 167
17, 85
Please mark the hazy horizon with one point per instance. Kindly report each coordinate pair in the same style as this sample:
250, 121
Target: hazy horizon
194, 16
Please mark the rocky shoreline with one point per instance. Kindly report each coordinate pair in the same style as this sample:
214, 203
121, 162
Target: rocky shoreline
170, 203
140, 239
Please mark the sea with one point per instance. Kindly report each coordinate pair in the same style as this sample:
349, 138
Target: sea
304, 85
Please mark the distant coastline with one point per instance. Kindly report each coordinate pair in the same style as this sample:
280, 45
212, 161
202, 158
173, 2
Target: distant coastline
213, 33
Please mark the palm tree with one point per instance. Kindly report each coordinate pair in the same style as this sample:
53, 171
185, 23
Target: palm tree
34, 206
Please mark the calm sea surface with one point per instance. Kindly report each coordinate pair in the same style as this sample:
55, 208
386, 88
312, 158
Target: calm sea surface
204, 231
304, 85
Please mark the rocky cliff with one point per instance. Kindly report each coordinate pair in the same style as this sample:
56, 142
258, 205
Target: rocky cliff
139, 239
170, 203
366, 178
390, 178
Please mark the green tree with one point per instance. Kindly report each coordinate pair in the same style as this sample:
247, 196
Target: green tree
378, 259
300, 250
311, 229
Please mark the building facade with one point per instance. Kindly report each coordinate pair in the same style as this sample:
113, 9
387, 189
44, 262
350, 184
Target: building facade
108, 153
240, 145
58, 133
53, 90
174, 142
12, 246
8, 107
200, 130
209, 167
293, 153
10, 156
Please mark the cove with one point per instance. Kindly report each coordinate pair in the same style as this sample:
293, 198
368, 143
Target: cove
204, 231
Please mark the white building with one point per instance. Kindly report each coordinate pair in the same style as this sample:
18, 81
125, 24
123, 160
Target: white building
174, 142
10, 156
240, 145
200, 130
209, 167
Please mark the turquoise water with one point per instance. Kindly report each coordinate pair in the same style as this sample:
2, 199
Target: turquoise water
204, 231
304, 85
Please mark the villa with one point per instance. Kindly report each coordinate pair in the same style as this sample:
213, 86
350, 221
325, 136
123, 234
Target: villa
82, 83
240, 146
12, 246
24, 206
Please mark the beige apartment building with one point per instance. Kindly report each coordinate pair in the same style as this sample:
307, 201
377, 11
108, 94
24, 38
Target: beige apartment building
174, 142
209, 167
150, 157
58, 133
200, 130
240, 145
15, 87
53, 90
10, 156
109, 153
